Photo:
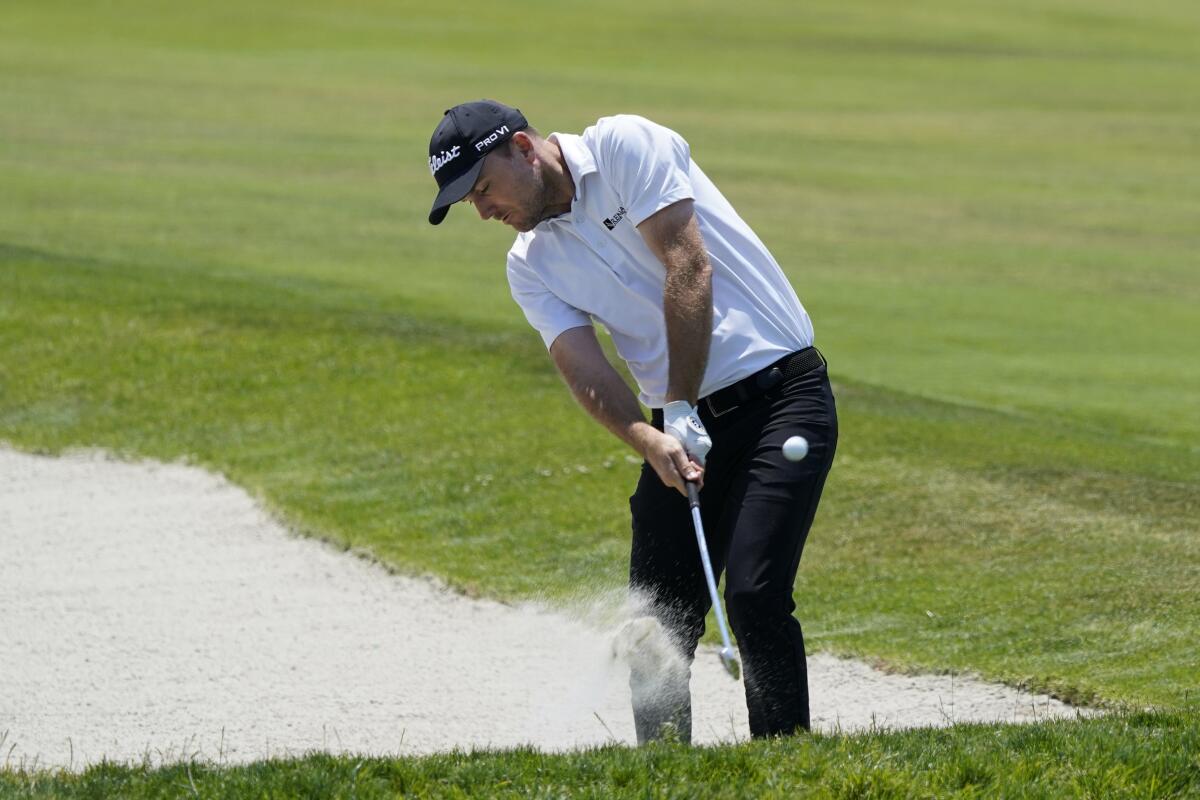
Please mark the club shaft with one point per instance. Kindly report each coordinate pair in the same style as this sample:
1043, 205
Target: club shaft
694, 501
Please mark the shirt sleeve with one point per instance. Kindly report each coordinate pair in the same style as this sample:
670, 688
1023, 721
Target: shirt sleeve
547, 312
645, 163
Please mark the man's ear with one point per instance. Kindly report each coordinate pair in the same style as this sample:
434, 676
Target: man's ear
523, 145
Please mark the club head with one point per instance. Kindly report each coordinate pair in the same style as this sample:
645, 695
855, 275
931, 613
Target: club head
730, 662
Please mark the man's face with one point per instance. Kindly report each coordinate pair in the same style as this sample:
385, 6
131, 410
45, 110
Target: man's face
510, 188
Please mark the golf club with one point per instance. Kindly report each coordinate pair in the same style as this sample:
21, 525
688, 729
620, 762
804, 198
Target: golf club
728, 658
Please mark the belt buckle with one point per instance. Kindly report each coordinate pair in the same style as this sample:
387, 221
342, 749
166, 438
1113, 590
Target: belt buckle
712, 410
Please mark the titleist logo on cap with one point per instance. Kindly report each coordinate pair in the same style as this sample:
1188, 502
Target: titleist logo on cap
440, 160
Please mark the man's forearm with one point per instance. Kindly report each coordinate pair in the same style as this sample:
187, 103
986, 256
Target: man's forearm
611, 403
605, 396
687, 310
673, 234
599, 388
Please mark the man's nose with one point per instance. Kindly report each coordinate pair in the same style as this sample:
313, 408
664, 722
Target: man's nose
485, 209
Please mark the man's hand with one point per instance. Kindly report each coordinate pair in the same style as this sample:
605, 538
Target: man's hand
681, 421
666, 455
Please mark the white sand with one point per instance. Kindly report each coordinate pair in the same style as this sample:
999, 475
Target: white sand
151, 610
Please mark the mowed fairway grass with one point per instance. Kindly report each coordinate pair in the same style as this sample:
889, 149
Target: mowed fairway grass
213, 247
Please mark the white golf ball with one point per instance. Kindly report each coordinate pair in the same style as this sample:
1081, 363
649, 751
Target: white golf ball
795, 448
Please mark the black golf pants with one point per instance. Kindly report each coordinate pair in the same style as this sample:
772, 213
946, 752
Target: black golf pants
757, 508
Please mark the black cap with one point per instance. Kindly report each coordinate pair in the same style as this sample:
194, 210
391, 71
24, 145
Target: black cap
466, 134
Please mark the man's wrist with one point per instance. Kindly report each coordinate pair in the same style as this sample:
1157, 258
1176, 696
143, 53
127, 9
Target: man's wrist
673, 397
640, 435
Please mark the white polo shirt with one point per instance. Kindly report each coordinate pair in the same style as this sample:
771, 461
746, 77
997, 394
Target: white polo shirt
591, 264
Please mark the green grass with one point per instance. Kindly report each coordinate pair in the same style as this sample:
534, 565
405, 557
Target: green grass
951, 538
213, 246
1142, 755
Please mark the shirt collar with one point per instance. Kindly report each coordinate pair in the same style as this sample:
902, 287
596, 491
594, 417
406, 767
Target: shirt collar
578, 157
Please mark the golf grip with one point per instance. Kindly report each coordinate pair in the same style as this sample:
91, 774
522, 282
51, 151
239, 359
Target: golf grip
693, 494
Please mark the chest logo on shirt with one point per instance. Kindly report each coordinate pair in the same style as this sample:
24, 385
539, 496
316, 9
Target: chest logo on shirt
611, 222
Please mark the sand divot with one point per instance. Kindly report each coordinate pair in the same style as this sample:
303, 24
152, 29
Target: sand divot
156, 611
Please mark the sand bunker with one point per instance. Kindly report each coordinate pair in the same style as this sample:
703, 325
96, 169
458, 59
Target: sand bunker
151, 610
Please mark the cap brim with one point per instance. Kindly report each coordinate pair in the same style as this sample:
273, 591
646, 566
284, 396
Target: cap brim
454, 191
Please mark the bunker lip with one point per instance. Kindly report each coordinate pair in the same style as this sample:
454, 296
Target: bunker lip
156, 612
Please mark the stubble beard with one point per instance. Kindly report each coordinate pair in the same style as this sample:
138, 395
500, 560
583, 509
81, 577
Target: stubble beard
537, 203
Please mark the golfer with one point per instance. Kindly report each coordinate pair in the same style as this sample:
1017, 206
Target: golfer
619, 226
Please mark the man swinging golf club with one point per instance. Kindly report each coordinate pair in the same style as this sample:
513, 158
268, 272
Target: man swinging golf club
620, 226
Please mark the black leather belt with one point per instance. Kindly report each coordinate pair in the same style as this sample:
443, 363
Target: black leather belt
755, 386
